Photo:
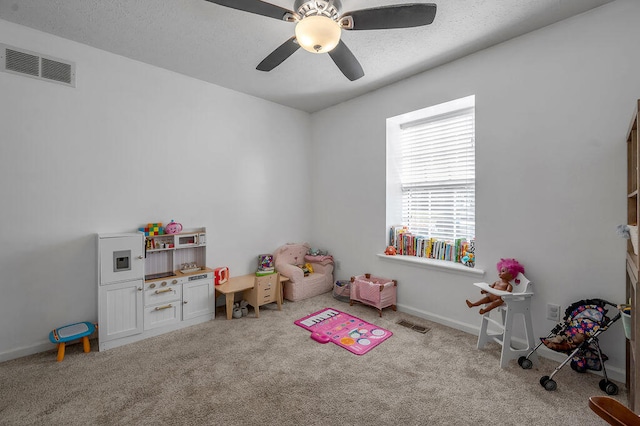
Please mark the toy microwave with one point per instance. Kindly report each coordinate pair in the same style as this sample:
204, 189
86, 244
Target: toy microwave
190, 240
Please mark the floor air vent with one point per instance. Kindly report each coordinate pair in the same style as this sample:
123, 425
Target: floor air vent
414, 327
35, 65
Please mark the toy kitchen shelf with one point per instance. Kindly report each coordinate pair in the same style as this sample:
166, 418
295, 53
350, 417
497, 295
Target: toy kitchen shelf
168, 254
144, 291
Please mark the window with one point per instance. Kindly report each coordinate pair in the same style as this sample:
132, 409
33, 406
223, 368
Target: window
431, 173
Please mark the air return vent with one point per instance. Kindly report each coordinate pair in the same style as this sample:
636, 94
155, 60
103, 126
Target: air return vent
35, 65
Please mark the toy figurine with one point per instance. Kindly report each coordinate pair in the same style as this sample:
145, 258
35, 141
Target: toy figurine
507, 270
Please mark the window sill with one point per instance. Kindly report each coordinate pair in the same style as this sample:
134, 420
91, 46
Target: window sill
444, 265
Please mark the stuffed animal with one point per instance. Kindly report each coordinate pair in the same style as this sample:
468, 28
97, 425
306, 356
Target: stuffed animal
306, 268
309, 267
562, 343
317, 252
508, 269
390, 251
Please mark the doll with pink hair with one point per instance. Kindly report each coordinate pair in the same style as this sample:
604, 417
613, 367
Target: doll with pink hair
508, 269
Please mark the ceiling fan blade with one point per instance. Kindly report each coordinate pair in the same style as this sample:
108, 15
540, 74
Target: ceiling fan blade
278, 56
256, 6
347, 63
398, 16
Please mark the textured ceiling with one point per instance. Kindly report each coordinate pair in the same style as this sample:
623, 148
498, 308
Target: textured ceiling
223, 46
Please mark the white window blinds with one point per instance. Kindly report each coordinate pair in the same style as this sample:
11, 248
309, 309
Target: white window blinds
437, 175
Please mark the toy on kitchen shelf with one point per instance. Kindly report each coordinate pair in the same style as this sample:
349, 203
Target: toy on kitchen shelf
152, 229
508, 269
173, 228
186, 268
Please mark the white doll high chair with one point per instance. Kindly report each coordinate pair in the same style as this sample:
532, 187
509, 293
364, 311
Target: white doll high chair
517, 301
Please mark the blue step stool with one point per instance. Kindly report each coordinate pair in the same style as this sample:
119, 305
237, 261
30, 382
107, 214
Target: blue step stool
68, 333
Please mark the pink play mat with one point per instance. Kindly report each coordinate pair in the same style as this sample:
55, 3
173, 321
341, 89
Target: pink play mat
349, 332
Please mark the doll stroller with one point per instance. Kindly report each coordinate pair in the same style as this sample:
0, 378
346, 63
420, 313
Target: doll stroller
577, 336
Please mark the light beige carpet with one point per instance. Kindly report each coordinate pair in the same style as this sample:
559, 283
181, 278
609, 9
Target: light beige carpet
268, 371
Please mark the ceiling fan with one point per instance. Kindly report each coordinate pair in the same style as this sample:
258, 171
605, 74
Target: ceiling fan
319, 26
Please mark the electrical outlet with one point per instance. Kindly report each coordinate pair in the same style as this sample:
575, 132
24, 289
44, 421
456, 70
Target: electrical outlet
553, 312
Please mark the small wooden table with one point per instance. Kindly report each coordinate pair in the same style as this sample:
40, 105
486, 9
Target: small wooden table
242, 283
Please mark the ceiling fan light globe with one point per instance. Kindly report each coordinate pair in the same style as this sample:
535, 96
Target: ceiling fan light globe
318, 34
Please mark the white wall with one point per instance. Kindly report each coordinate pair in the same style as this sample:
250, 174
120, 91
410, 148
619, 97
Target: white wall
131, 144
552, 111
134, 144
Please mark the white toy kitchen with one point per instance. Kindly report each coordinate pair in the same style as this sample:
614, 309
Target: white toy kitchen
150, 285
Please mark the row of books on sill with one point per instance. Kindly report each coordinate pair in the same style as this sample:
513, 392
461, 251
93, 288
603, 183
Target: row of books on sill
459, 250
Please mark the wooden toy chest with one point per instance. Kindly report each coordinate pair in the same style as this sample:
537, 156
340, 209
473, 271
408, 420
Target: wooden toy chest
373, 291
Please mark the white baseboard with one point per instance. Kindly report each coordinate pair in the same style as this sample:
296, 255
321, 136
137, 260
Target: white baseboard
28, 350
613, 373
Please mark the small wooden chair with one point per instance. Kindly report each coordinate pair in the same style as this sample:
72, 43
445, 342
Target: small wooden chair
68, 333
613, 412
